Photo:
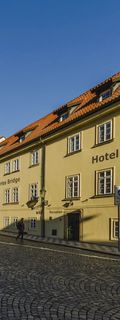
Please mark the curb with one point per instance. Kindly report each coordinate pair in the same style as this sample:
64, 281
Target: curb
84, 247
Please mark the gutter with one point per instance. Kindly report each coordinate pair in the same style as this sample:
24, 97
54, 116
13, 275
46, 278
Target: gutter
50, 133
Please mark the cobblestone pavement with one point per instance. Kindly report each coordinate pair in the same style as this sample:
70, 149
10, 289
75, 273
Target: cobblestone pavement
52, 283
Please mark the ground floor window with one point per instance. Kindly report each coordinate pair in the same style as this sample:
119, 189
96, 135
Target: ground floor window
115, 228
54, 232
5, 222
14, 222
32, 223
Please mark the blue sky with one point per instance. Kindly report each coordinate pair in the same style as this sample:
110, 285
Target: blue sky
50, 52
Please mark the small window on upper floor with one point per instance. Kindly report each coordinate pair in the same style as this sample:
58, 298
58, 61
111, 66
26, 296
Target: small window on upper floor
7, 196
74, 143
104, 132
7, 167
15, 195
105, 94
104, 182
15, 165
34, 157
33, 191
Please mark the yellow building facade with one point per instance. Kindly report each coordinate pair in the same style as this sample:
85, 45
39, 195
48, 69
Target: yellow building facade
20, 180
59, 173
80, 184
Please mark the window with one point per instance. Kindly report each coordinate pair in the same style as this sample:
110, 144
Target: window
6, 222
33, 190
34, 157
104, 182
32, 223
74, 143
14, 222
63, 116
115, 228
7, 196
105, 94
15, 165
7, 167
54, 232
72, 186
15, 196
105, 132
22, 138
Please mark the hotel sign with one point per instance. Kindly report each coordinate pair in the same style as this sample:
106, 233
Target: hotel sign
8, 181
105, 156
55, 211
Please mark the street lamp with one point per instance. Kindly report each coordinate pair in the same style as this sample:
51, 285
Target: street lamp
32, 202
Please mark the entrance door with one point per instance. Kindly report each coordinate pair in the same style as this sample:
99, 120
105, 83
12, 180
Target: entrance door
73, 225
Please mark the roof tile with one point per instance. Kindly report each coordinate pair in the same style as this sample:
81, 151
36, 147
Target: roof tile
84, 104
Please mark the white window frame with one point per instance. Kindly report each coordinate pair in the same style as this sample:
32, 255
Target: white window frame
74, 143
63, 116
14, 222
103, 127
73, 186
7, 167
6, 221
33, 190
103, 179
32, 223
34, 157
16, 165
15, 195
105, 94
7, 196
114, 229
22, 138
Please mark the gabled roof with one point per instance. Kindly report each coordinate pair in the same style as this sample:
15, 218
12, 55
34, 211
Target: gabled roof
82, 106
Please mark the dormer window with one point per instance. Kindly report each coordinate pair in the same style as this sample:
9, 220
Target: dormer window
22, 138
23, 135
2, 139
105, 94
63, 116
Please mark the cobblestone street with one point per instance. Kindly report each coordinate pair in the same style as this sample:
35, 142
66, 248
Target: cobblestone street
48, 282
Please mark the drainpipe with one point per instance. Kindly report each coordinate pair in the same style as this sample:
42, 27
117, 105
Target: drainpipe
42, 189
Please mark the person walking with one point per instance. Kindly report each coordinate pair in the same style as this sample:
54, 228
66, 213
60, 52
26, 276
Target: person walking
20, 227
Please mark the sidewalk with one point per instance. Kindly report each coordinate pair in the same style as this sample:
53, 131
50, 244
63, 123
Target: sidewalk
110, 248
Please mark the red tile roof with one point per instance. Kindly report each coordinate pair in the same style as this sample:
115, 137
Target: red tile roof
83, 105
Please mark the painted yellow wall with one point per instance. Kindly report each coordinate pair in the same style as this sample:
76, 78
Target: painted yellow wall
96, 213
58, 166
21, 179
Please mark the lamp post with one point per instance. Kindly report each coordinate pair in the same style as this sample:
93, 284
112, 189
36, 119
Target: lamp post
42, 203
